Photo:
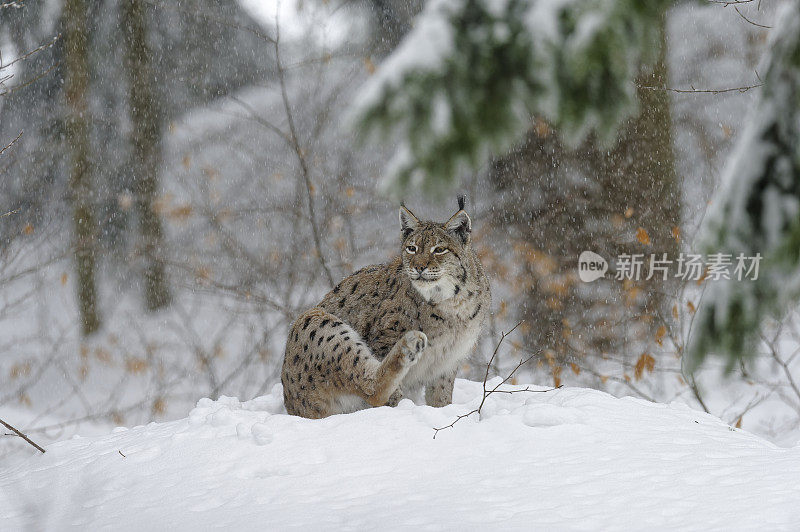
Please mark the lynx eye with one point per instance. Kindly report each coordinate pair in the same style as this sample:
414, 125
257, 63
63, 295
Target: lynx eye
412, 249
439, 250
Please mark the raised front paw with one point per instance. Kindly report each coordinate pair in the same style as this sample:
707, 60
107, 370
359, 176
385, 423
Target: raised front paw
412, 344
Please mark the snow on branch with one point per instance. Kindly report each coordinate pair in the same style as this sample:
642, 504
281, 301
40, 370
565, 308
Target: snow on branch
757, 210
466, 81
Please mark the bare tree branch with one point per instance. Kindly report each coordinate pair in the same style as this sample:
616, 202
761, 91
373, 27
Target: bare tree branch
298, 150
784, 366
21, 435
750, 21
7, 146
219, 20
487, 393
726, 3
692, 90
34, 79
32, 52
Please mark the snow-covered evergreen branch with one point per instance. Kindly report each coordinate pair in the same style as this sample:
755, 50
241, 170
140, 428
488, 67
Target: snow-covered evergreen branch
757, 209
466, 81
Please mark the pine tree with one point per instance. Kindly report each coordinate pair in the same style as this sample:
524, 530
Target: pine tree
757, 211
466, 80
554, 202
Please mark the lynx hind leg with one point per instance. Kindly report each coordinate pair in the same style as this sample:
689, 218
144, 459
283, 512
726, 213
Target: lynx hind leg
440, 392
325, 359
326, 363
394, 367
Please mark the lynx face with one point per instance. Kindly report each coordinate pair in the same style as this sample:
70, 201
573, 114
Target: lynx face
432, 254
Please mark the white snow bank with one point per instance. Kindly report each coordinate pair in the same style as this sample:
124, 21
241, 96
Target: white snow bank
570, 459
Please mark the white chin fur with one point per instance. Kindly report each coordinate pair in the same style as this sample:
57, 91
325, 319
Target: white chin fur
435, 291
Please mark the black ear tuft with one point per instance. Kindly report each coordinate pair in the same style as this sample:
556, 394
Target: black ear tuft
462, 201
460, 225
408, 222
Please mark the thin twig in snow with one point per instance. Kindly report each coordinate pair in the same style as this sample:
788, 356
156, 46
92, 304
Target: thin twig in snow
21, 435
696, 391
487, 393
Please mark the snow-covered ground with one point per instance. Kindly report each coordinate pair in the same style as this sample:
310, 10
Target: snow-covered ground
568, 459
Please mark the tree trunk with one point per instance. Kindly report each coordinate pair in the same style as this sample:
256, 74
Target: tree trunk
146, 142
76, 86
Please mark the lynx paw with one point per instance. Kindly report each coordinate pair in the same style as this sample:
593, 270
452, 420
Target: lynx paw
413, 343
394, 398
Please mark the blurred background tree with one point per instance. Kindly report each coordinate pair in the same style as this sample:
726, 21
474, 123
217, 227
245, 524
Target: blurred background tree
145, 112
559, 201
107, 197
77, 140
200, 157
757, 211
488, 67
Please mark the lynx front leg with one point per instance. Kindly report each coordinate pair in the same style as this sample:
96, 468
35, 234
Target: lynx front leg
394, 367
395, 398
440, 392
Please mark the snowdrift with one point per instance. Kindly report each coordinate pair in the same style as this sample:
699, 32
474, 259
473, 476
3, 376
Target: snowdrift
569, 459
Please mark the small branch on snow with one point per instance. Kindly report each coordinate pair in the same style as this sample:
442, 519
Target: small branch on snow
696, 391
21, 435
487, 393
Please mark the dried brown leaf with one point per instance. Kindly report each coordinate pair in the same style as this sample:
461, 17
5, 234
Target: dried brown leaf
660, 333
645, 363
642, 236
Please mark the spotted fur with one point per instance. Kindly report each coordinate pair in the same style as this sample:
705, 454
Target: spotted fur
392, 329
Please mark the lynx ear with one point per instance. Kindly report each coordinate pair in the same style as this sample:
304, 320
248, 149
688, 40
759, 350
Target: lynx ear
461, 225
408, 222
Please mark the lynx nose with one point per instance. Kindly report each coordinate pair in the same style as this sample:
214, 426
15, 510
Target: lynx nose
420, 269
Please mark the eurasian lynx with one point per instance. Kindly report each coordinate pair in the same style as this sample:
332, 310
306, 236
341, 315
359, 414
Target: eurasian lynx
393, 328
